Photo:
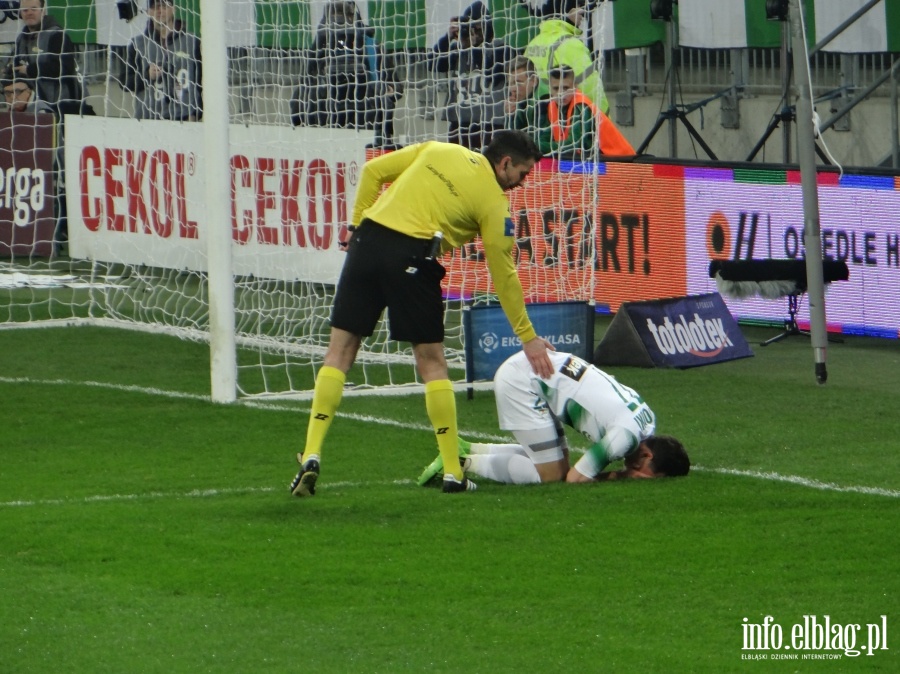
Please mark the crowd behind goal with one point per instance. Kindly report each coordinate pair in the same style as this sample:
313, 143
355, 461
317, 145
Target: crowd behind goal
402, 84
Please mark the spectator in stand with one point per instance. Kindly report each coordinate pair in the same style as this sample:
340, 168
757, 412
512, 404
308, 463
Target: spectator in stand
20, 97
45, 54
567, 125
163, 68
559, 43
347, 84
474, 61
519, 106
578, 129
568, 128
387, 91
340, 66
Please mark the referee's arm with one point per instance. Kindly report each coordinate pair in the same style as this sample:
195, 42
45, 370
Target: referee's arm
498, 253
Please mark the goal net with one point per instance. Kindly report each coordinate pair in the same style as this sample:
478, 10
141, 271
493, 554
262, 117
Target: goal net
104, 214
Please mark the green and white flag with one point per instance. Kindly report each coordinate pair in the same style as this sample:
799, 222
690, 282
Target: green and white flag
878, 30
625, 24
398, 24
727, 24
9, 26
724, 24
420, 23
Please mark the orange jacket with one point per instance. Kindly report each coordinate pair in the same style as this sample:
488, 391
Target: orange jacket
612, 142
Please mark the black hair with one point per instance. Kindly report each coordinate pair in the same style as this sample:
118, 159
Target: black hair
555, 7
669, 456
559, 72
12, 81
517, 145
520, 62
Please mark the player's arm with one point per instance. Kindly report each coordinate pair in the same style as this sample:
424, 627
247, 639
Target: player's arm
376, 173
613, 446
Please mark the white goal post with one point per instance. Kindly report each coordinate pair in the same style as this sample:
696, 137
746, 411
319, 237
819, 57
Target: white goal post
225, 229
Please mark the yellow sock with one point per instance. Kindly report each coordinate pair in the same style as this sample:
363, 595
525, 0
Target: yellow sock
440, 404
326, 398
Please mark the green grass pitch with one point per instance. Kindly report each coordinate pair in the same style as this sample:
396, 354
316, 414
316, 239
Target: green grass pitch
144, 529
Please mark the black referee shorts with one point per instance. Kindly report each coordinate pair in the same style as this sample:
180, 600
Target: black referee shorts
385, 268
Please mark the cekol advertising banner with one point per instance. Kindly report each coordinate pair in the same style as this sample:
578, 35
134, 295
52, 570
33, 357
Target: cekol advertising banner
612, 232
137, 195
27, 196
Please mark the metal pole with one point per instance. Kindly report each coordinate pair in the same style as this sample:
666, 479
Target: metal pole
806, 150
861, 96
786, 144
895, 122
217, 211
673, 120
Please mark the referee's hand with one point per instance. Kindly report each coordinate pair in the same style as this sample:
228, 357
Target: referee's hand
536, 352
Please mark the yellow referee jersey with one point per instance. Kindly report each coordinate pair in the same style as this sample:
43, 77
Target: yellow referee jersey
445, 187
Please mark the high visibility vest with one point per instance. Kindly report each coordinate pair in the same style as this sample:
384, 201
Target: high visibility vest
612, 142
558, 43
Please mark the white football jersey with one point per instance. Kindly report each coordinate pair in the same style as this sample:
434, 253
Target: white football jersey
580, 395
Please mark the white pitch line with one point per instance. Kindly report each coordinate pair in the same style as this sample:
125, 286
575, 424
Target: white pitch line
105, 385
758, 475
800, 481
206, 493
194, 493
365, 418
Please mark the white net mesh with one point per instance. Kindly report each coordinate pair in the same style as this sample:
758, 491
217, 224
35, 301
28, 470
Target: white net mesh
115, 230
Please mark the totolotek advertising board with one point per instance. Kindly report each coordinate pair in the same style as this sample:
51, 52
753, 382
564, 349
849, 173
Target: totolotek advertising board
614, 232
672, 332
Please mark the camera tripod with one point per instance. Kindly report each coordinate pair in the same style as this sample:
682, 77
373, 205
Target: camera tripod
675, 113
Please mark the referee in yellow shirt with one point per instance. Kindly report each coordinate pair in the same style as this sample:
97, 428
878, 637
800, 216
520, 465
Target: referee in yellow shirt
438, 189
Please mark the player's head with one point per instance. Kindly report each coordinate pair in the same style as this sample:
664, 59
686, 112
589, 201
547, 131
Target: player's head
668, 457
512, 154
